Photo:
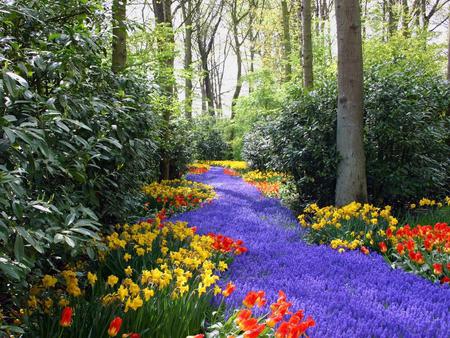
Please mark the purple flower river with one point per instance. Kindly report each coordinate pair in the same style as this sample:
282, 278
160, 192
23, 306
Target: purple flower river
348, 294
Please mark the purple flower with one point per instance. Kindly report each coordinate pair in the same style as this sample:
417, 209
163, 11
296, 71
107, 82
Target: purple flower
348, 295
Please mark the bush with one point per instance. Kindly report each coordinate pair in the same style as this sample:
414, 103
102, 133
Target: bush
209, 141
406, 136
265, 100
76, 140
300, 141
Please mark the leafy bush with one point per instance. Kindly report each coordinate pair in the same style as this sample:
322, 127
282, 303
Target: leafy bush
209, 141
300, 141
406, 136
76, 140
265, 99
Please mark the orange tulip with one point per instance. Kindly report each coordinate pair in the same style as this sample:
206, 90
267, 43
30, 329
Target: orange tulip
254, 298
229, 289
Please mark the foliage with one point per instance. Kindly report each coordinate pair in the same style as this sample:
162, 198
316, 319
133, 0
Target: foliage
406, 132
208, 140
300, 141
176, 147
261, 102
76, 141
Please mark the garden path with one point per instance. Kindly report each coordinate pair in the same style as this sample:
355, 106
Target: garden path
348, 294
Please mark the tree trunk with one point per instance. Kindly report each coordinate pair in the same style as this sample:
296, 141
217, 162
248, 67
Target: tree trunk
391, 18
237, 49
165, 78
423, 9
351, 184
448, 50
119, 40
204, 104
209, 95
300, 30
307, 45
405, 18
237, 90
187, 17
366, 2
286, 41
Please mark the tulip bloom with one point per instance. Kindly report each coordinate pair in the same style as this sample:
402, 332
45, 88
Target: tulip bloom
114, 327
437, 268
254, 298
243, 315
382, 246
364, 250
66, 317
229, 289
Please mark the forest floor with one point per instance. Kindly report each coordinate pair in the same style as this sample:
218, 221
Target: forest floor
348, 294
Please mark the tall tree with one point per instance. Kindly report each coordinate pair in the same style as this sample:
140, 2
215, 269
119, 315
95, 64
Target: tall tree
165, 72
287, 48
307, 45
187, 10
351, 184
206, 25
238, 13
448, 49
119, 40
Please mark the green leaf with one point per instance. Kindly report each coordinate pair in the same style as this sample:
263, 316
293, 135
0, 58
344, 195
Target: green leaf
70, 242
18, 78
9, 270
41, 208
19, 249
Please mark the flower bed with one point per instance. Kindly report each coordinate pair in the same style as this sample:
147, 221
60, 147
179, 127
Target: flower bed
198, 168
280, 322
149, 276
423, 250
235, 165
177, 195
267, 182
230, 172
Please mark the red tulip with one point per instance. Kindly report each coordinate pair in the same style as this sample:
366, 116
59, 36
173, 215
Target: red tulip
131, 335
382, 246
437, 268
114, 327
254, 298
66, 317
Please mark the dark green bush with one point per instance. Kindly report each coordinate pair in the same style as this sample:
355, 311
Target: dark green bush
208, 140
406, 136
76, 141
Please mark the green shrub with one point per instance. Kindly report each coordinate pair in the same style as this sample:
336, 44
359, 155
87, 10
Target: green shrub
208, 140
406, 134
76, 140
